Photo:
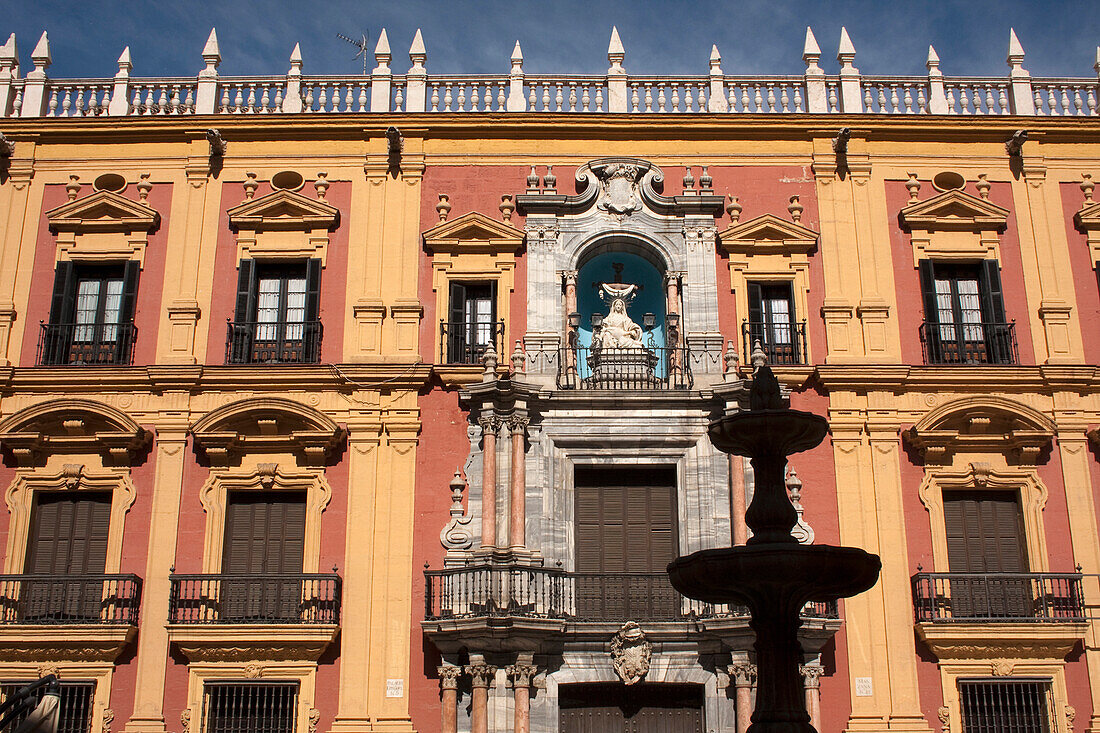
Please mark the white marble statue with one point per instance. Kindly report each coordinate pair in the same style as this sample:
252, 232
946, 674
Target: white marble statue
618, 331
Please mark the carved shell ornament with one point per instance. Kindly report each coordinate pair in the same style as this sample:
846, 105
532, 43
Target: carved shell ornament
630, 653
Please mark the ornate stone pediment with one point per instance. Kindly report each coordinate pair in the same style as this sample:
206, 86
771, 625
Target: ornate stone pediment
103, 211
473, 233
982, 425
268, 424
70, 425
953, 210
998, 641
283, 210
768, 234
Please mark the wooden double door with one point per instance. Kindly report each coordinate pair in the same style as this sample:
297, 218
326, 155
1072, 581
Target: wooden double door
640, 708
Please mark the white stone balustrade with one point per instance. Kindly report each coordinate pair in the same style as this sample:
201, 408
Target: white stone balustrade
617, 91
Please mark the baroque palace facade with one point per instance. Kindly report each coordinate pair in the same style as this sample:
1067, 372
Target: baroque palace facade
379, 403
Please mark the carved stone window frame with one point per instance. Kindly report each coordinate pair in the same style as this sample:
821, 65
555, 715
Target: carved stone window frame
247, 670
214, 497
476, 248
769, 249
101, 673
1087, 220
283, 225
70, 445
1001, 669
954, 226
984, 443
102, 227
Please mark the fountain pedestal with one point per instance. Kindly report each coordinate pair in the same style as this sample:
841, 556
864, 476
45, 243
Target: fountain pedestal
773, 575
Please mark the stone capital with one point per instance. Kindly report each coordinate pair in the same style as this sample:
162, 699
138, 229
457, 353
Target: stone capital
811, 673
743, 674
448, 676
521, 675
481, 674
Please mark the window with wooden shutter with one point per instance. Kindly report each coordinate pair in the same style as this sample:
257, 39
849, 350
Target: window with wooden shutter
264, 539
964, 314
68, 540
91, 314
772, 322
985, 541
277, 315
472, 321
625, 533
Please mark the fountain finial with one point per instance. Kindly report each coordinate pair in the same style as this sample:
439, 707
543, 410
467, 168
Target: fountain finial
764, 393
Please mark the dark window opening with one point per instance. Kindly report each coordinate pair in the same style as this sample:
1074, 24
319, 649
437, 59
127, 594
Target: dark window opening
642, 708
262, 557
91, 314
277, 314
1005, 706
243, 707
625, 529
75, 709
471, 323
964, 317
772, 323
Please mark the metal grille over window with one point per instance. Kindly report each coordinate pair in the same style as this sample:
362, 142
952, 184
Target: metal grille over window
75, 709
250, 708
1005, 706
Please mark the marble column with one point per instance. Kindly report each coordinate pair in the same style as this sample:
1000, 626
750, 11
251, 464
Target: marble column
521, 675
518, 509
737, 500
672, 297
811, 676
481, 676
448, 686
744, 678
489, 425
569, 277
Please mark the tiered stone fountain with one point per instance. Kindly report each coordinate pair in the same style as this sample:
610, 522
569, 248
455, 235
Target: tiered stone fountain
773, 574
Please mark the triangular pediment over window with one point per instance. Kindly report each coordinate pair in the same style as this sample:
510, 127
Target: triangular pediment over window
1088, 218
768, 233
103, 211
283, 210
473, 232
953, 210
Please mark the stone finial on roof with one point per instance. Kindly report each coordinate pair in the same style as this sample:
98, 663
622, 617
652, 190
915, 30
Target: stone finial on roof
846, 54
715, 60
933, 62
1015, 56
616, 54
124, 64
41, 55
9, 53
296, 60
811, 53
211, 54
517, 59
418, 54
1095, 66
382, 53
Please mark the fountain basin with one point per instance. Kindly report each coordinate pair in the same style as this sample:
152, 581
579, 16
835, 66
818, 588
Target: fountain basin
775, 432
797, 574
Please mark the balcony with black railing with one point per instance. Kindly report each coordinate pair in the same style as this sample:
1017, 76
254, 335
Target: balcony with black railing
70, 599
499, 591
642, 368
301, 598
969, 343
270, 342
783, 343
466, 343
998, 598
86, 343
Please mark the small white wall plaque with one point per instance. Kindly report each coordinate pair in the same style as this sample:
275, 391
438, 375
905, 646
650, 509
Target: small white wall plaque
864, 687
396, 688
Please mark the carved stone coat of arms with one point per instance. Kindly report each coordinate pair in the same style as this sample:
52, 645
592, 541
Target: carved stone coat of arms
630, 652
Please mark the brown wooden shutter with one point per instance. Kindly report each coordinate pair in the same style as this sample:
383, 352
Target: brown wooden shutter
69, 534
984, 532
264, 533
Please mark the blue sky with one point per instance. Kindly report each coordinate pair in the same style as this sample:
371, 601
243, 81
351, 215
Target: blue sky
558, 36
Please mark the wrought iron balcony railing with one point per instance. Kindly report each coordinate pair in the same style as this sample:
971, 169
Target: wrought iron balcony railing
969, 343
998, 597
86, 343
494, 591
253, 342
647, 368
466, 343
70, 599
255, 599
783, 343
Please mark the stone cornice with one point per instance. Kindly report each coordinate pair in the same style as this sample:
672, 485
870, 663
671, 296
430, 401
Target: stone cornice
869, 377
73, 642
997, 640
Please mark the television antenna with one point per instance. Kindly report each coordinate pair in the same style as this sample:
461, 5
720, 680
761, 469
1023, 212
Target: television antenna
361, 44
